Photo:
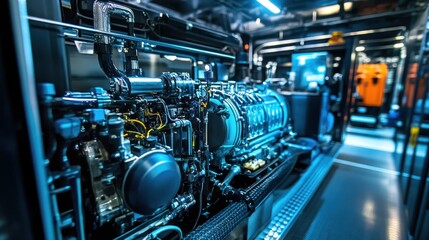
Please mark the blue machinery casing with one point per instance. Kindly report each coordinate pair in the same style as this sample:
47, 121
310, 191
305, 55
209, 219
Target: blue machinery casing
241, 120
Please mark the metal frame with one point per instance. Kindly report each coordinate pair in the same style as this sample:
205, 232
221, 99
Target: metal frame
325, 37
132, 38
27, 167
420, 207
337, 21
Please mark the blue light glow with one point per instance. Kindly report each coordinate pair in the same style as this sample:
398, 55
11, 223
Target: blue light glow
270, 6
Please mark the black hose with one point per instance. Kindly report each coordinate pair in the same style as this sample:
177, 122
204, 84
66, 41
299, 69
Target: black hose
219, 226
104, 52
257, 193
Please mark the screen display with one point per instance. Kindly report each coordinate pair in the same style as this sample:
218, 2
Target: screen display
308, 68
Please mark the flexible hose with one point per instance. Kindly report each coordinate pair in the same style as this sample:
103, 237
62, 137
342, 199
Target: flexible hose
155, 233
219, 226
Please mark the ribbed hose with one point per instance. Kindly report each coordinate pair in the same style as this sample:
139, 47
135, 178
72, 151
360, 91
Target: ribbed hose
257, 193
219, 226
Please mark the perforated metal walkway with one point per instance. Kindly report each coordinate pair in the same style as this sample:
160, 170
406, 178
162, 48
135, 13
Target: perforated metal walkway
352, 195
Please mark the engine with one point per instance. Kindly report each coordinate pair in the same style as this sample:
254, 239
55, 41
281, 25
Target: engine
162, 156
242, 121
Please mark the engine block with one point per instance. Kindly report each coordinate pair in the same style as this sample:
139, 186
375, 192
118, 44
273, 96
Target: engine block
160, 155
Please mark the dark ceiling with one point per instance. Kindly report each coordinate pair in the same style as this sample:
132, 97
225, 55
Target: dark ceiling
241, 15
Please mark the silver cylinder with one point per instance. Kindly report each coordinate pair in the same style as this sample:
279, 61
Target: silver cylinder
144, 85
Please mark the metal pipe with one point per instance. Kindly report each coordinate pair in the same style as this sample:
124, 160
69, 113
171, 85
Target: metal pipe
325, 37
77, 202
336, 21
145, 85
103, 11
413, 109
132, 38
235, 170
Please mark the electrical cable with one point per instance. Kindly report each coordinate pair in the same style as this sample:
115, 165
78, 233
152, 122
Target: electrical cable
200, 207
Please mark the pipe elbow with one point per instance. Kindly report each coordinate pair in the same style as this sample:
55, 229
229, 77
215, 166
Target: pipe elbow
125, 12
102, 12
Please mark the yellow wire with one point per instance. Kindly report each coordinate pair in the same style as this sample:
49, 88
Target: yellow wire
137, 134
161, 125
148, 133
139, 122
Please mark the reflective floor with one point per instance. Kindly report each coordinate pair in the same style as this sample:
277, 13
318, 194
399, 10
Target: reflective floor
360, 198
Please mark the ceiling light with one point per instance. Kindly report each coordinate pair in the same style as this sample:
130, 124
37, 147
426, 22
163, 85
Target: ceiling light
360, 49
270, 6
333, 9
258, 20
399, 37
398, 45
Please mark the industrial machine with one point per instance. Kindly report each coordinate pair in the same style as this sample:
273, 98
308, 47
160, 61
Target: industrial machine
370, 84
160, 157
308, 95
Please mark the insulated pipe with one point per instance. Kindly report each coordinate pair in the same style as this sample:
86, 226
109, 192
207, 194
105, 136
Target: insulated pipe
102, 12
123, 85
219, 226
119, 83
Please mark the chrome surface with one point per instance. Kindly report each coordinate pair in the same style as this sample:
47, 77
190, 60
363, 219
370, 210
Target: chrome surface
102, 12
144, 85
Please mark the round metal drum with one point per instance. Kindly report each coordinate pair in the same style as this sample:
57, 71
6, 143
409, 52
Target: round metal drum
151, 182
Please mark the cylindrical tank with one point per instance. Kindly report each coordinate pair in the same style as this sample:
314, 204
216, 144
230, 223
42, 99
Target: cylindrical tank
151, 182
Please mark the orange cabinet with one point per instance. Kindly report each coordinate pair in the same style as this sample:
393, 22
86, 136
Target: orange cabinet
370, 83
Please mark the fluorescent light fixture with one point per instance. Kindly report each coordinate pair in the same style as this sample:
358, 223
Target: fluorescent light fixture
360, 49
270, 6
398, 45
399, 38
333, 9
